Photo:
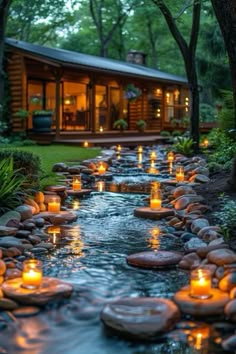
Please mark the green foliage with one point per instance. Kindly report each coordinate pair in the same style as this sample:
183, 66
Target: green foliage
176, 133
207, 113
120, 124
227, 115
224, 148
11, 185
141, 125
214, 167
22, 113
28, 163
165, 133
227, 215
184, 146
42, 112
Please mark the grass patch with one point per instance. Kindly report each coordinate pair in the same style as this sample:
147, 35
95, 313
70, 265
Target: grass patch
51, 154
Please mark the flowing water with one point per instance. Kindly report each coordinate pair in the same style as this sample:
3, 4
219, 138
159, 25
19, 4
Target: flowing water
92, 257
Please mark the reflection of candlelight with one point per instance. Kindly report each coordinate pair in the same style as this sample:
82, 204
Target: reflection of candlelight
54, 205
85, 143
170, 156
118, 148
154, 241
140, 148
118, 156
171, 168
200, 284
155, 185
101, 168
153, 155
199, 337
140, 157
76, 205
32, 274
152, 164
155, 199
179, 174
76, 183
100, 186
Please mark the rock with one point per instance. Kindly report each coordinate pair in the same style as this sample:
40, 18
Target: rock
10, 241
1, 255
33, 204
154, 259
142, 318
193, 306
221, 257
39, 222
74, 170
146, 212
229, 344
199, 224
22, 234
203, 251
219, 273
52, 289
232, 294
204, 231
59, 167
46, 245
29, 226
199, 178
186, 236
39, 250
2, 267
34, 239
190, 261
12, 252
183, 190
173, 221
230, 310
55, 189
217, 242
11, 218
7, 231
26, 311
228, 282
194, 244
12, 273
8, 304
25, 212
183, 201
203, 208
201, 170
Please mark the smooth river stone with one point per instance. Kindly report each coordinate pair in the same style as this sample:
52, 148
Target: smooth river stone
143, 318
183, 201
229, 344
7, 231
183, 190
51, 289
228, 282
190, 261
230, 310
212, 306
2, 267
221, 257
25, 212
26, 311
146, 212
199, 224
8, 304
154, 259
56, 188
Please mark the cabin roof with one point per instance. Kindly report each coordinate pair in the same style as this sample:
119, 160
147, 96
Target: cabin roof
80, 60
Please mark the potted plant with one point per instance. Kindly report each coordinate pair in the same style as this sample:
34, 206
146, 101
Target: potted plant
42, 121
132, 92
120, 124
141, 125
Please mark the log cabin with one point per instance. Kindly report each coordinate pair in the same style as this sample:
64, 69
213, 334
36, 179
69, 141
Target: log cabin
87, 94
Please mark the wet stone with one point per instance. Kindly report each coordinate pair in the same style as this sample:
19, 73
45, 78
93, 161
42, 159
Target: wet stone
154, 259
2, 267
26, 311
228, 282
22, 233
25, 212
194, 244
229, 343
8, 304
221, 256
141, 318
39, 222
6, 231
39, 250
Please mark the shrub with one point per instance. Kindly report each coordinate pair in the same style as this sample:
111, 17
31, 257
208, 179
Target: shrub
226, 116
120, 124
28, 163
165, 133
176, 133
225, 148
11, 185
207, 113
184, 146
227, 215
141, 125
214, 167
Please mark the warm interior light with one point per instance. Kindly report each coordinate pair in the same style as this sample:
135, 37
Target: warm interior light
86, 143
101, 186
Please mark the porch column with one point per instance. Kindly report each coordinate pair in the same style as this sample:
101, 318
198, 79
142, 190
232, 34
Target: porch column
57, 107
92, 103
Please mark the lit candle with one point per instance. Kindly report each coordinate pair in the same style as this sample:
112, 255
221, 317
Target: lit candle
101, 129
155, 199
205, 143
32, 274
140, 148
76, 183
153, 155
118, 148
100, 186
179, 174
200, 284
101, 169
85, 143
54, 205
170, 156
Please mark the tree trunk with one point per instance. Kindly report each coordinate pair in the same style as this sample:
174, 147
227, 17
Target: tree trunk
4, 5
226, 15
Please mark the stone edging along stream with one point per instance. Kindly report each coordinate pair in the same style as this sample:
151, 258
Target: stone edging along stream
22, 236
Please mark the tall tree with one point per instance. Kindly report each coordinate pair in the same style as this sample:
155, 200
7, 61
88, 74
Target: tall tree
188, 51
226, 15
4, 7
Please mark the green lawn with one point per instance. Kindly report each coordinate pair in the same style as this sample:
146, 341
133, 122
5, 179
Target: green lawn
50, 154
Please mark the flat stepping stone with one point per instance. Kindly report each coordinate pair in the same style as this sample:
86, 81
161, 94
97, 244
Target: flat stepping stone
79, 193
26, 311
51, 289
60, 217
107, 176
212, 306
141, 317
56, 188
153, 259
146, 212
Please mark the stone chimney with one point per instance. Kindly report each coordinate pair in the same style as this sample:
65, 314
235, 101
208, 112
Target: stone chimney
136, 57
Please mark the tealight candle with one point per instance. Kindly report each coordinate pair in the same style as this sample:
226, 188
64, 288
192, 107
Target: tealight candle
101, 169
76, 183
170, 156
100, 186
153, 155
155, 199
140, 148
179, 174
32, 274
118, 148
86, 143
200, 284
54, 205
